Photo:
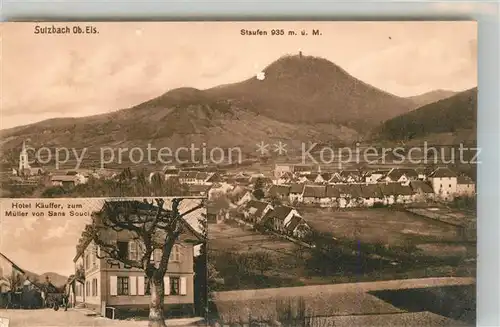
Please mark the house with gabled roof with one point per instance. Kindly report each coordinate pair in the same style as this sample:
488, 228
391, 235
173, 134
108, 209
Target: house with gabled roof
422, 191
198, 189
277, 218
313, 178
350, 176
245, 198
281, 169
325, 177
297, 227
401, 175
396, 193
375, 176
296, 193
333, 194
350, 195
315, 194
335, 178
255, 210
285, 178
371, 194
444, 183
281, 192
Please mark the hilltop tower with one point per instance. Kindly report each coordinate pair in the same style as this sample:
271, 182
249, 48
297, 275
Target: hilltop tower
23, 159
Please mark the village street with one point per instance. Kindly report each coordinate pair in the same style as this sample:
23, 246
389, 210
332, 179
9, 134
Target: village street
72, 317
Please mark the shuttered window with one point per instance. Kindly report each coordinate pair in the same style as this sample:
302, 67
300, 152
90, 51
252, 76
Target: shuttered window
133, 285
166, 285
183, 286
123, 285
175, 285
132, 250
141, 285
113, 283
175, 254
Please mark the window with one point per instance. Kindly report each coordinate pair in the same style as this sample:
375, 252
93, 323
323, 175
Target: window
94, 287
175, 255
87, 261
449, 185
132, 250
156, 256
87, 288
122, 249
174, 285
122, 286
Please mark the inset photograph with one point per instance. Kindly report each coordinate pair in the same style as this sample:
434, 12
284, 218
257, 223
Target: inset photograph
100, 262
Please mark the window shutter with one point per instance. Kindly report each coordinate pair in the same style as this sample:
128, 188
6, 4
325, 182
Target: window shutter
166, 285
133, 285
113, 283
140, 285
183, 286
132, 250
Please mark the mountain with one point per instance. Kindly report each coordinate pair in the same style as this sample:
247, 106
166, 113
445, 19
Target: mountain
447, 121
301, 99
178, 118
306, 89
430, 97
56, 279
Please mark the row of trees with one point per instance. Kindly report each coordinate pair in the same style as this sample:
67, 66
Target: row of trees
127, 183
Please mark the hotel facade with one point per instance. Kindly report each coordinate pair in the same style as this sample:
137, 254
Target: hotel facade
110, 284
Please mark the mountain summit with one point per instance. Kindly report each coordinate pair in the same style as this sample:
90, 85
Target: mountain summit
307, 89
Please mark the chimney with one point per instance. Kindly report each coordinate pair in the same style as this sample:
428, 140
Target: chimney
300, 54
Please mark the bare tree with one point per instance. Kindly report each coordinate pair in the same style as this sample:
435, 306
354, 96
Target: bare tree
15, 281
154, 228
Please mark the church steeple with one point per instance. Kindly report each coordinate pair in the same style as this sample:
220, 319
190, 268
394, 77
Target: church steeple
23, 158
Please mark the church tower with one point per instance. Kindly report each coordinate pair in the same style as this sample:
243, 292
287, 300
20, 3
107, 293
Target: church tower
23, 159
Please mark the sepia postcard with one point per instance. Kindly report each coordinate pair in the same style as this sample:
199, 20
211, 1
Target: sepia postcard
330, 168
126, 259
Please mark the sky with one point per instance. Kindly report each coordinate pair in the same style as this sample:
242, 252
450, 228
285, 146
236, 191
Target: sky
126, 63
48, 244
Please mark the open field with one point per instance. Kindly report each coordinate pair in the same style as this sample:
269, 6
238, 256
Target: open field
232, 238
371, 245
422, 297
381, 226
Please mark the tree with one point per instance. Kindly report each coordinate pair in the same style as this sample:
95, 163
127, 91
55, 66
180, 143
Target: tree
157, 184
15, 281
259, 194
260, 261
153, 227
275, 201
